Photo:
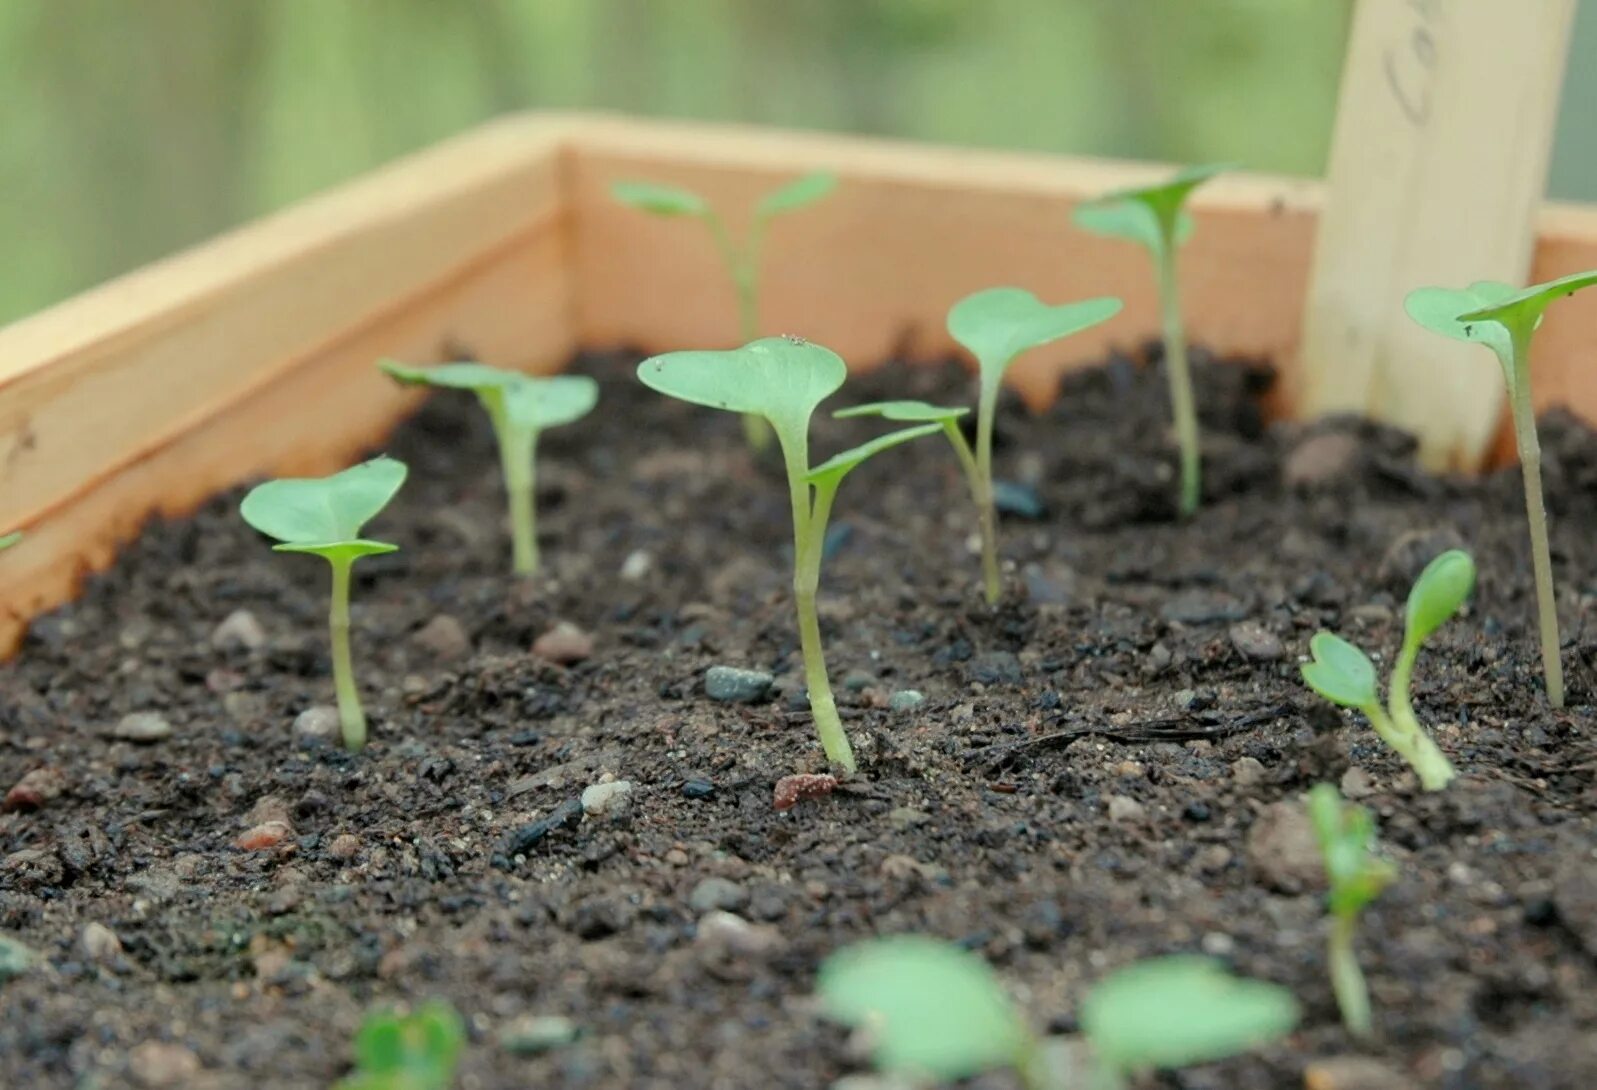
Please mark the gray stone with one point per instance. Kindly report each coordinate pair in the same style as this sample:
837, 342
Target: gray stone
144, 728
99, 943
607, 799
737, 686
1201, 607
1253, 641
905, 699
444, 638
239, 629
637, 566
531, 1034
722, 934
995, 668
1122, 808
15, 958
717, 893
1357, 784
857, 681
1320, 459
1248, 771
1283, 849
317, 726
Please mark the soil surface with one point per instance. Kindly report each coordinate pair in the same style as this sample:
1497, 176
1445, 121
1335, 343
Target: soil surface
1103, 769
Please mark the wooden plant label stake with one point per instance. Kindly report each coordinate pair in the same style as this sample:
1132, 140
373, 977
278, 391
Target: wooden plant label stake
1438, 164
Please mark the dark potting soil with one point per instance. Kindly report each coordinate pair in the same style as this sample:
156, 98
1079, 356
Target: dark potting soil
1103, 769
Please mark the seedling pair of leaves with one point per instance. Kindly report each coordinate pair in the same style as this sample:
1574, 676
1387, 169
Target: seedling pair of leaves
1155, 218
1346, 835
996, 326
934, 1010
417, 1051
742, 259
782, 380
1505, 319
1344, 675
520, 407
324, 516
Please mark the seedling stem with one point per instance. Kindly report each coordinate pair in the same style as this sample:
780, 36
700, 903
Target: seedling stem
351, 716
516, 463
1530, 467
1183, 406
1347, 978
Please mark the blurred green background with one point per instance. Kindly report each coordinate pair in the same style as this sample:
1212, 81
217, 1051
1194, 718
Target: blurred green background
134, 127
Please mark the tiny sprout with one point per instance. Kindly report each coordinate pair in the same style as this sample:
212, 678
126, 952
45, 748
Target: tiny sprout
324, 515
419, 1051
781, 380
519, 407
1344, 675
1154, 217
1503, 319
996, 326
8, 540
934, 1009
742, 261
1346, 833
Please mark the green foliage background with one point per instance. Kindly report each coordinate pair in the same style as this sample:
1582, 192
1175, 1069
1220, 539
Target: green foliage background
129, 128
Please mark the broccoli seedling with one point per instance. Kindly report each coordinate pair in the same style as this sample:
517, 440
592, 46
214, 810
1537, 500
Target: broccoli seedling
519, 407
782, 380
1503, 319
1153, 217
996, 326
742, 259
1346, 833
1344, 675
323, 516
419, 1051
936, 1010
8, 540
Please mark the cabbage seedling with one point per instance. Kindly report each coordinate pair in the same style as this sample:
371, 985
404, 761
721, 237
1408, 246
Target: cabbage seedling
1346, 833
742, 259
1344, 675
519, 407
418, 1051
934, 1009
1503, 319
1153, 216
996, 326
782, 380
324, 516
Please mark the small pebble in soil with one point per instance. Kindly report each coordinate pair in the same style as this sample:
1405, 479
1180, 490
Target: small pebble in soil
532, 1034
1354, 1073
610, 800
716, 892
268, 834
563, 644
143, 728
857, 681
735, 685
344, 846
1248, 771
994, 668
317, 726
160, 1064
637, 566
1357, 783
1201, 607
1283, 850
34, 789
1253, 641
792, 790
1021, 500
1320, 459
906, 817
444, 638
239, 630
905, 699
1122, 808
15, 958
1196, 811
99, 943
722, 934
698, 789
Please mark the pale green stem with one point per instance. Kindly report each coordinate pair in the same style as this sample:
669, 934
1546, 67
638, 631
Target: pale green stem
981, 485
1182, 405
1530, 466
743, 267
1347, 979
517, 450
1408, 739
351, 718
981, 495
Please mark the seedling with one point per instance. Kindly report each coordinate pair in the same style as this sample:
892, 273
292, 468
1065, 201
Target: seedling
1346, 833
1153, 216
324, 515
519, 407
742, 258
418, 1051
1503, 319
938, 1011
8, 540
1344, 675
996, 326
782, 380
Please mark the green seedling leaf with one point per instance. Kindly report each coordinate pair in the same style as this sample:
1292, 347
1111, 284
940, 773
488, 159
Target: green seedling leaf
8, 540
660, 200
1438, 593
932, 1008
1526, 307
1148, 215
1346, 835
782, 379
999, 324
797, 194
324, 515
1174, 1011
408, 1052
1438, 310
905, 411
529, 402
830, 473
1340, 672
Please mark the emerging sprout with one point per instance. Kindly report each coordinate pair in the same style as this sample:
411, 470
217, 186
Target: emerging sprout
1344, 675
519, 407
1346, 833
1153, 216
323, 515
742, 259
8, 540
782, 380
1495, 315
934, 1009
996, 325
408, 1052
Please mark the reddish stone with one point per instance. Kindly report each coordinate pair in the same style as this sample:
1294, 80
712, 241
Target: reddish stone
34, 790
268, 834
792, 790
